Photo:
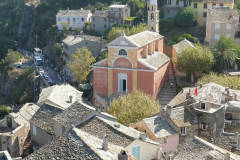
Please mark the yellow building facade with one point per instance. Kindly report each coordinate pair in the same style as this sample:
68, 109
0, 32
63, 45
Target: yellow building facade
201, 7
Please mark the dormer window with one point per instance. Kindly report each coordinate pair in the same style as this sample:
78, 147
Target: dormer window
122, 52
203, 106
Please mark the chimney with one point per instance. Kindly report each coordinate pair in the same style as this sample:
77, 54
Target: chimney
122, 155
143, 136
231, 87
70, 99
188, 94
117, 125
201, 85
236, 139
168, 111
227, 89
226, 156
105, 143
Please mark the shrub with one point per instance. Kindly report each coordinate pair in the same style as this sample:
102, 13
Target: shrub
5, 111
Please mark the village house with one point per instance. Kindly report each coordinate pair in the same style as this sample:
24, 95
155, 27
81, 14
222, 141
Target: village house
159, 130
199, 115
117, 13
70, 44
134, 62
74, 19
14, 130
59, 96
201, 7
99, 21
76, 113
221, 21
52, 101
197, 149
174, 6
100, 138
176, 50
232, 113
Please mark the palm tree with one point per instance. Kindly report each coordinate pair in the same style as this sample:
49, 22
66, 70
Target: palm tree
225, 53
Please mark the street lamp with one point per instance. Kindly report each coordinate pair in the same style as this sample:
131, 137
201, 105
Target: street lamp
36, 36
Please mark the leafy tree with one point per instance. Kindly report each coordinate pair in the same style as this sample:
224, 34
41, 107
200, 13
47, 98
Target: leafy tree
102, 56
5, 111
80, 65
101, 6
225, 53
57, 48
195, 59
221, 79
136, 5
116, 31
186, 17
133, 107
52, 32
12, 56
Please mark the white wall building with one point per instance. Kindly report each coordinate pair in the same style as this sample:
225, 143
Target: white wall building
74, 18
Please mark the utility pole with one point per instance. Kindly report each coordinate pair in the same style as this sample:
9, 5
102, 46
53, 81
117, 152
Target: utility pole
36, 36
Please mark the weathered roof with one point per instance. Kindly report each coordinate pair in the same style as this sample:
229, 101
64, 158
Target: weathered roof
154, 61
72, 40
77, 112
228, 142
25, 113
159, 127
210, 92
199, 149
43, 117
121, 136
78, 12
182, 45
59, 95
99, 13
220, 15
182, 117
145, 37
67, 146
214, 1
118, 6
233, 107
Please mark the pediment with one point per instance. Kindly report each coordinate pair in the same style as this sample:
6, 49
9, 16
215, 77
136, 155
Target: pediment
122, 41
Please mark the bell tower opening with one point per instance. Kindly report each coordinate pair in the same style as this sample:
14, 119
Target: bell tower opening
153, 16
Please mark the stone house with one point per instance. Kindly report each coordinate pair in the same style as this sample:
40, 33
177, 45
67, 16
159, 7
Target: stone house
134, 62
117, 13
100, 138
75, 19
14, 130
42, 126
159, 130
176, 50
70, 44
232, 114
59, 96
75, 114
173, 6
99, 21
201, 7
197, 149
201, 115
221, 21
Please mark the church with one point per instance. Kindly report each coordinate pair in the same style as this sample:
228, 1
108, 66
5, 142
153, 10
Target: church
134, 62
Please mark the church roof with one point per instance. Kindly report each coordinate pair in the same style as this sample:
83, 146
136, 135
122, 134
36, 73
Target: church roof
137, 40
155, 60
145, 37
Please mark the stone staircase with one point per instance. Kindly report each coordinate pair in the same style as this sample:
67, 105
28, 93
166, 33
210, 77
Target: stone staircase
168, 93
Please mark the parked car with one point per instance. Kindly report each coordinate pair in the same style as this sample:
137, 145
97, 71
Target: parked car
24, 66
52, 65
49, 80
41, 70
45, 75
57, 69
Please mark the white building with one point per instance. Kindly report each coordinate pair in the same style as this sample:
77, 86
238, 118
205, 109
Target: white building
75, 19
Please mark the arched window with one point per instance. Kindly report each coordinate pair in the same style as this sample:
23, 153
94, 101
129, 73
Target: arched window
122, 52
152, 16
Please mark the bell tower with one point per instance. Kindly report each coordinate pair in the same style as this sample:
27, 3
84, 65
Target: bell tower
153, 16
